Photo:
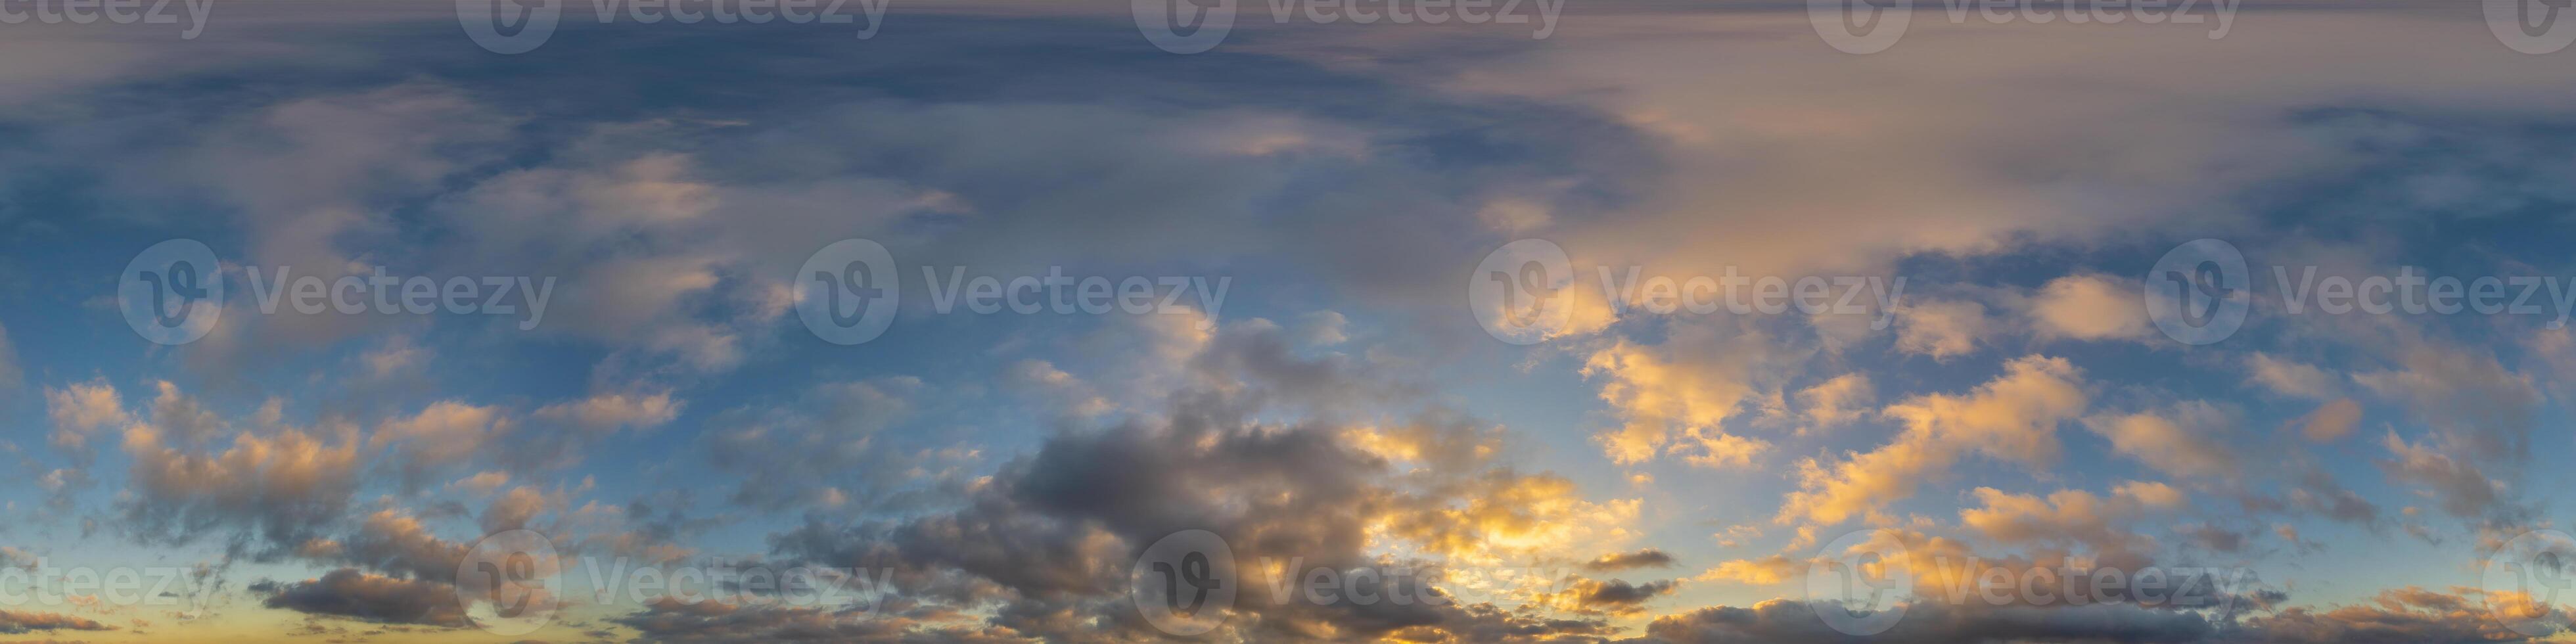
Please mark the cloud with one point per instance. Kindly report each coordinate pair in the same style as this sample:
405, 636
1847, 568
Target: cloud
1838, 400
2090, 307
1764, 571
2013, 417
671, 621
607, 412
2180, 442
82, 409
443, 434
283, 487
1616, 561
2065, 517
2291, 378
347, 592
1782, 621
1675, 398
2331, 421
1051, 536
2464, 491
1942, 329
1613, 597
16, 622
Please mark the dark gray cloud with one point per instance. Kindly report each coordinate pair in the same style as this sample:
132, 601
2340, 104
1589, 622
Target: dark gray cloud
16, 622
349, 592
1646, 558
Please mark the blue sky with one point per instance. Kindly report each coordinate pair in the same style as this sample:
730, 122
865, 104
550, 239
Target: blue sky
1613, 473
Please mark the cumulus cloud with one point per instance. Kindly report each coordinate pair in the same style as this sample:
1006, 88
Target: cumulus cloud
81, 409
347, 592
2090, 307
1675, 398
2013, 417
1838, 400
2183, 442
283, 487
1942, 329
2331, 421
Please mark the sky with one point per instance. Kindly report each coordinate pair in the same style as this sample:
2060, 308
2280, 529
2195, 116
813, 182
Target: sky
1320, 321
